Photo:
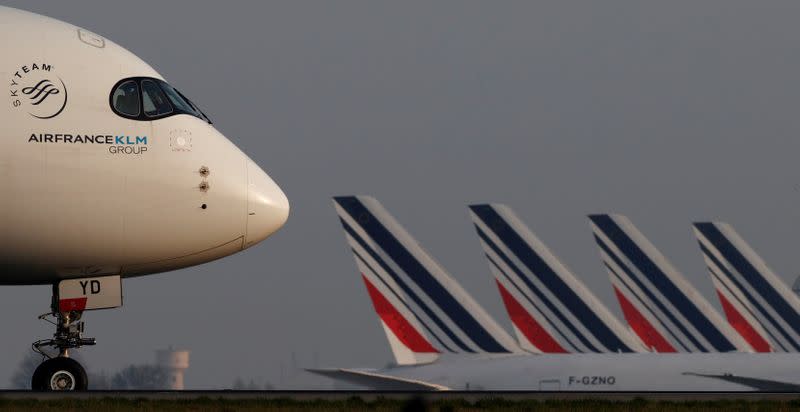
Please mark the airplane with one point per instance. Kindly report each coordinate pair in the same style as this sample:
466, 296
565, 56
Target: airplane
550, 308
755, 300
660, 305
421, 308
109, 172
402, 279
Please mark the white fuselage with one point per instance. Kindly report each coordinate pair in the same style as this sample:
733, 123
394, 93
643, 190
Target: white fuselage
87, 192
611, 372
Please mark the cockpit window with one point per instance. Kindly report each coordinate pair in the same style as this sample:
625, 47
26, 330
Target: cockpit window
126, 98
157, 100
154, 102
180, 101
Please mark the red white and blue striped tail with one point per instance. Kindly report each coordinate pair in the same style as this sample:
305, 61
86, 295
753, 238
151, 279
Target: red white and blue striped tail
757, 302
424, 311
658, 302
551, 309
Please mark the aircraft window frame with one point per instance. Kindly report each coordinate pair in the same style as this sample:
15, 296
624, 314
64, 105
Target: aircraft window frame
114, 102
159, 110
178, 99
176, 110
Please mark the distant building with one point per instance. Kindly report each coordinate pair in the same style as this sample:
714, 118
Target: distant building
175, 362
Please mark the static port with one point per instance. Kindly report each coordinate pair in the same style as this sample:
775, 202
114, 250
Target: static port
203, 206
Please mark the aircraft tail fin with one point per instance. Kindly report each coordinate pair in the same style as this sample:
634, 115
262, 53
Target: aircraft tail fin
423, 309
680, 314
640, 320
756, 301
550, 307
531, 335
406, 336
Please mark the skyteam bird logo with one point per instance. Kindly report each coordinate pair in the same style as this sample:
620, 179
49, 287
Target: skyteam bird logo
35, 88
41, 91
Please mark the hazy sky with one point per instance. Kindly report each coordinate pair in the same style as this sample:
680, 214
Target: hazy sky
668, 112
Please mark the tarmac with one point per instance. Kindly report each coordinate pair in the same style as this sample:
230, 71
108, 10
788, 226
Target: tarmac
469, 396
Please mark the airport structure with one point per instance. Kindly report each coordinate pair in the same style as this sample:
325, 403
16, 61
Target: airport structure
175, 362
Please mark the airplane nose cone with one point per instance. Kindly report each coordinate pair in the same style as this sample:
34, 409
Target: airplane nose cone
267, 205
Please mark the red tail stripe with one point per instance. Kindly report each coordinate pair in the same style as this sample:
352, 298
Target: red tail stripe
397, 323
641, 326
744, 327
523, 320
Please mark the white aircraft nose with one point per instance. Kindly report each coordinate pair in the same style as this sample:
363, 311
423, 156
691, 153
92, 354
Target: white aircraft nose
267, 205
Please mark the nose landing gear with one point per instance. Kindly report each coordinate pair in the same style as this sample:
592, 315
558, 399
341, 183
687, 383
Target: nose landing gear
71, 297
59, 372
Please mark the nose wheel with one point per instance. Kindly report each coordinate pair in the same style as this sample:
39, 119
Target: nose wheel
59, 372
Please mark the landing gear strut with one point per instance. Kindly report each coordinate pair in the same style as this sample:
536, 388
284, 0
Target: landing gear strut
59, 372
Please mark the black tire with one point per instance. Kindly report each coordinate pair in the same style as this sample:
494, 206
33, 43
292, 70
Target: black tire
37, 380
60, 374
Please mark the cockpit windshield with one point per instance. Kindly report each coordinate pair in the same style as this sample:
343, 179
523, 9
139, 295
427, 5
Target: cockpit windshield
154, 102
157, 100
181, 102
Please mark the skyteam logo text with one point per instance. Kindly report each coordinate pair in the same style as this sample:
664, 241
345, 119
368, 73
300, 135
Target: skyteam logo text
36, 88
117, 144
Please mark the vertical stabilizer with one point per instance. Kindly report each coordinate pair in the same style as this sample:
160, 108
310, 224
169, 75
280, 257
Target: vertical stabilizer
428, 312
756, 301
550, 308
658, 292
406, 336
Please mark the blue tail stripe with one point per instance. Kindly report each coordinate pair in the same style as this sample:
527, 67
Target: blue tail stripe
743, 305
550, 279
749, 296
573, 347
407, 290
660, 280
649, 294
639, 299
401, 300
538, 292
750, 274
420, 275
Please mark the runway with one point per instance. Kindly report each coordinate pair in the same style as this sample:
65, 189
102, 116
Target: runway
369, 396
